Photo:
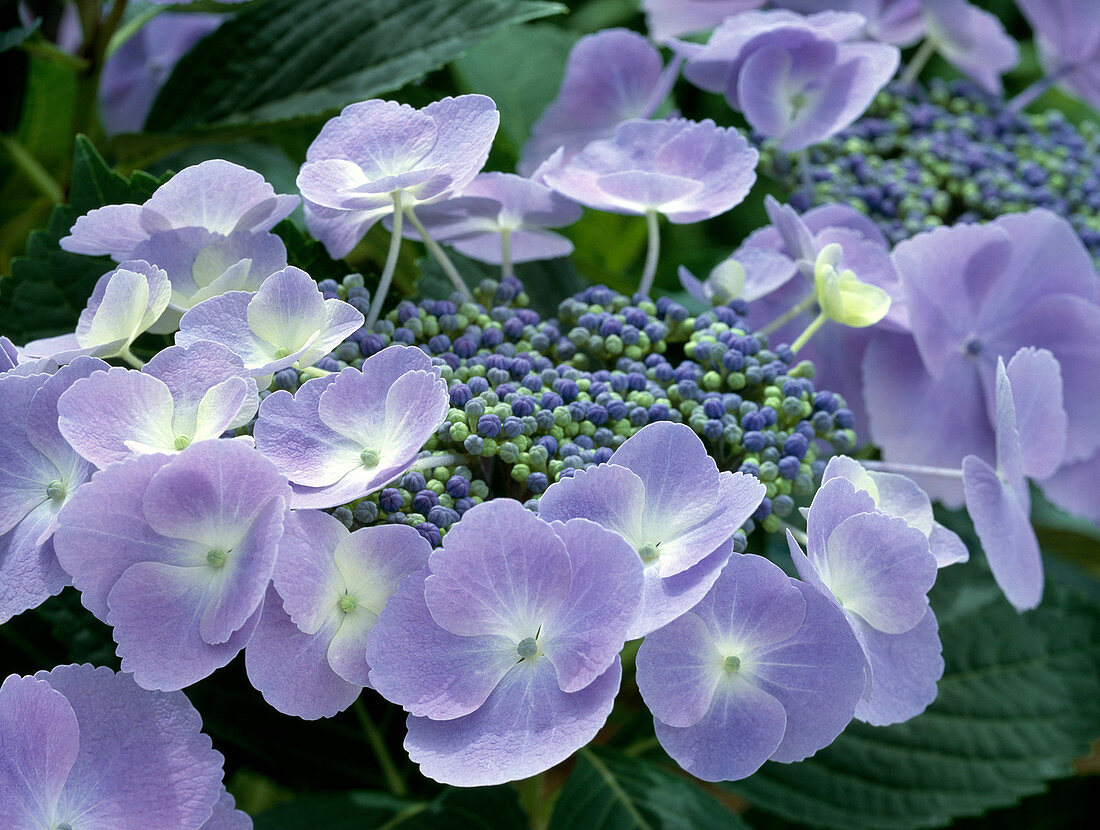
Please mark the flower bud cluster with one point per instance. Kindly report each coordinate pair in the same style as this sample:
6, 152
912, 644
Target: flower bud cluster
921, 158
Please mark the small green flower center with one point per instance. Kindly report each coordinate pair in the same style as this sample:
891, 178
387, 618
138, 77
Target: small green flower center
55, 490
527, 648
732, 664
181, 442
64, 826
216, 558
649, 553
347, 603
282, 352
369, 458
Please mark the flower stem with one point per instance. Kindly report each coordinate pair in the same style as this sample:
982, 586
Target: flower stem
805, 171
914, 469
391, 262
130, 358
653, 250
506, 269
374, 739
314, 372
440, 257
917, 62
798, 534
811, 329
1029, 95
805, 304
447, 459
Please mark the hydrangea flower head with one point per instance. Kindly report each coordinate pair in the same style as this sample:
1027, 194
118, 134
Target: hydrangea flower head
176, 552
343, 436
330, 586
972, 297
663, 494
217, 195
796, 79
611, 76
516, 627
686, 170
124, 303
763, 667
971, 39
1030, 440
1068, 35
878, 570
182, 396
286, 322
376, 148
497, 209
84, 747
39, 472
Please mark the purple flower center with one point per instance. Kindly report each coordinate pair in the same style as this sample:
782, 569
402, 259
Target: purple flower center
973, 347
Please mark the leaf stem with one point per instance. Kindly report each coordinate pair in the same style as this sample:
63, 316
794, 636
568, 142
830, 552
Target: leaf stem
374, 739
440, 256
810, 331
653, 251
391, 262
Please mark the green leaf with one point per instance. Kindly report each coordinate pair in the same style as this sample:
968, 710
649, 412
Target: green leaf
520, 69
610, 791
307, 253
48, 287
10, 38
273, 63
487, 808
1019, 701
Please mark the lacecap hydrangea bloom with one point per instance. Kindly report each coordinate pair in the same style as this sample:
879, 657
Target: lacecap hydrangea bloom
176, 553
83, 747
515, 629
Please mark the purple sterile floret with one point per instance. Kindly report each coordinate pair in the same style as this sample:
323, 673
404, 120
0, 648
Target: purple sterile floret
796, 79
39, 473
343, 436
307, 655
896, 495
217, 195
513, 631
667, 19
182, 396
1067, 33
376, 149
686, 170
85, 747
763, 667
878, 570
611, 76
891, 21
124, 303
972, 298
971, 39
176, 553
287, 322
499, 206
662, 492
1029, 436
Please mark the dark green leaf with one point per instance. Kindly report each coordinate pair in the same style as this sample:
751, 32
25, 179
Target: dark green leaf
307, 253
10, 38
48, 287
1019, 701
485, 808
273, 63
610, 791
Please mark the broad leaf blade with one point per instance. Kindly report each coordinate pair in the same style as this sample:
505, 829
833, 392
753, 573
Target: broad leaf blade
610, 791
273, 63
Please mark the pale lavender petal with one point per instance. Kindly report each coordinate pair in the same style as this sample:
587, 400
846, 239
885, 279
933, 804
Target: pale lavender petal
904, 670
679, 668
341, 319
378, 136
29, 570
224, 320
340, 230
170, 654
1036, 380
609, 495
333, 183
24, 471
103, 415
288, 310
971, 39
525, 246
666, 598
191, 371
1010, 458
1076, 488
291, 669
946, 546
1004, 528
40, 738
502, 571
124, 303
226, 816
143, 761
832, 504
113, 230
740, 731
102, 531
817, 674
526, 726
306, 576
42, 429
466, 126
881, 569
524, 200
667, 19
454, 675
585, 633
1070, 28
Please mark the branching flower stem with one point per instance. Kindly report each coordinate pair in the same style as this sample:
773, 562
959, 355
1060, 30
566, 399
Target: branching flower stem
439, 254
653, 251
391, 262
